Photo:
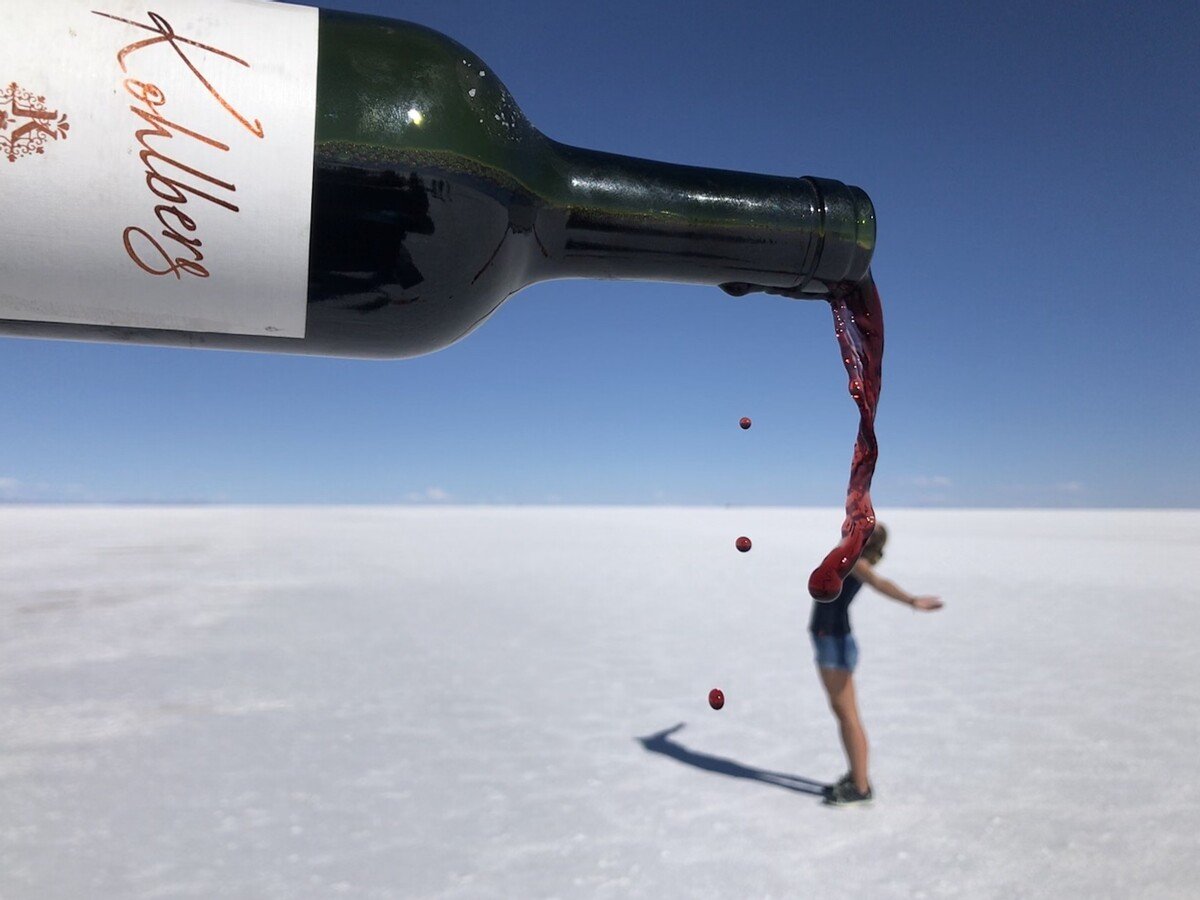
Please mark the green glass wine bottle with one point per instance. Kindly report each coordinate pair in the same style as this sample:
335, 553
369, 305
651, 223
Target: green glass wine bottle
432, 200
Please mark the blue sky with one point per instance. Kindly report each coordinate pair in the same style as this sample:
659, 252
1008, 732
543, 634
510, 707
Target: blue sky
1034, 169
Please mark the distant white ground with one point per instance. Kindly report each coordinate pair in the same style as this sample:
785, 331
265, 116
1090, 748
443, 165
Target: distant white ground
511, 703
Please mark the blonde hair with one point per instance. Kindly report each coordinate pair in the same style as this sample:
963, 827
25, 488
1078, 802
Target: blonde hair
873, 549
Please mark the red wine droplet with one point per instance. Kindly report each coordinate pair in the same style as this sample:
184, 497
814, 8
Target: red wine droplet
858, 323
743, 544
745, 423
716, 699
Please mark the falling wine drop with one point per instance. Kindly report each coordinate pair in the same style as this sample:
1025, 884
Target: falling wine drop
716, 698
743, 544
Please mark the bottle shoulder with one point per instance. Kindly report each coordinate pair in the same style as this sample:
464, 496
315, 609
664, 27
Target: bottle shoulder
390, 90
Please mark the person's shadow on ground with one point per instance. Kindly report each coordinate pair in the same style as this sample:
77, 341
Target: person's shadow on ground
661, 742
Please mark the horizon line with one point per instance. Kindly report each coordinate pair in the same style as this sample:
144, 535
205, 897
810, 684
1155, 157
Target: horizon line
434, 505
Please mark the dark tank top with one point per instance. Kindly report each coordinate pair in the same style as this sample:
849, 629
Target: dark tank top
834, 617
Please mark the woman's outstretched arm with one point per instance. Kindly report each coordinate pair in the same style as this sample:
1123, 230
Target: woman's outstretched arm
865, 573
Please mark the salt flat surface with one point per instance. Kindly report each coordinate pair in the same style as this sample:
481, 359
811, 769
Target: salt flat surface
479, 702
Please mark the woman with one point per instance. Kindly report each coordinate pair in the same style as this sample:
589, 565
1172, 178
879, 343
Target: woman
836, 656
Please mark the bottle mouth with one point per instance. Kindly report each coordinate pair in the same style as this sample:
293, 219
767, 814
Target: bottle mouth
838, 248
847, 235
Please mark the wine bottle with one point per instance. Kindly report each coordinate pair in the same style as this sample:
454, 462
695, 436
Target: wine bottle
248, 175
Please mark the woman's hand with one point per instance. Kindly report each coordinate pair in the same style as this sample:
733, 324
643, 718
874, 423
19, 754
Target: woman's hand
927, 603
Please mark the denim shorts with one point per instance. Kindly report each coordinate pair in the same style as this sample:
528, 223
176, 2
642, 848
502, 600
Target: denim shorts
835, 651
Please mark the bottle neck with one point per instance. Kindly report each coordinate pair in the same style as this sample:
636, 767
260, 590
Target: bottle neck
620, 217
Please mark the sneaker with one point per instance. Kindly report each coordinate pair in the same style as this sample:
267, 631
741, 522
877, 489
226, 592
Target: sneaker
828, 789
844, 793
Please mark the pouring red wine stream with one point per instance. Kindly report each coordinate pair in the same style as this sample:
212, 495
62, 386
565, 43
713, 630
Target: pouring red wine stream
858, 323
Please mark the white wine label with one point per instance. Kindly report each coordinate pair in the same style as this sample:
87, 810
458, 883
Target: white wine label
156, 163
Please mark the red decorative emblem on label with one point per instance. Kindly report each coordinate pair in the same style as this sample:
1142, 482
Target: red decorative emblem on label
26, 124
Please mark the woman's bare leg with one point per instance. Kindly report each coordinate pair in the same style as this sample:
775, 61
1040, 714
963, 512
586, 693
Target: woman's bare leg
839, 685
